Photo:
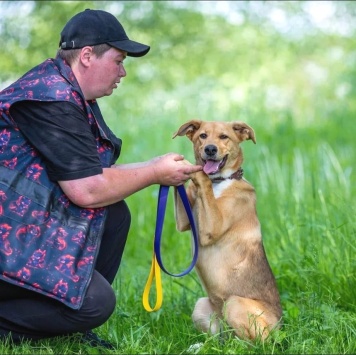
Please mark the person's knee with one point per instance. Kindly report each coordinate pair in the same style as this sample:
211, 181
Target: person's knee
99, 302
106, 304
100, 306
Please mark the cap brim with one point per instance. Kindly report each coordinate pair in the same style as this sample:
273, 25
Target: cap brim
133, 49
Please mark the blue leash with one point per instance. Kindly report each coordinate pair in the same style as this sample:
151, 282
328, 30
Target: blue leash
161, 209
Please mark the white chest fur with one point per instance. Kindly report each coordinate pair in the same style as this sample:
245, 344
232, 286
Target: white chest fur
219, 187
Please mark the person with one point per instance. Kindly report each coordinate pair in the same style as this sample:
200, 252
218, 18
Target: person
63, 217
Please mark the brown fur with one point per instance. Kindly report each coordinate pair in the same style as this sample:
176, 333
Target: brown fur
232, 263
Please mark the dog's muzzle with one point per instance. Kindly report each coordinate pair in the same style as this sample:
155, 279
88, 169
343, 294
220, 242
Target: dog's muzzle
211, 164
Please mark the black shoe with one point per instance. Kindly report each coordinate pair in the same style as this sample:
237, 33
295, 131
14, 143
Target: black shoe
91, 339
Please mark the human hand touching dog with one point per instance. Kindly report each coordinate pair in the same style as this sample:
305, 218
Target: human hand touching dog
172, 169
199, 177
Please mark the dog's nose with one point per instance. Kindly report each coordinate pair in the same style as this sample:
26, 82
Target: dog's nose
210, 150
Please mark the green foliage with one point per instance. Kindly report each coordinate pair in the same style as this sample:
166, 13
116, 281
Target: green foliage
296, 87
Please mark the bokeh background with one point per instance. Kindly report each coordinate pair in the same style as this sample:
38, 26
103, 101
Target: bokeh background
271, 63
292, 59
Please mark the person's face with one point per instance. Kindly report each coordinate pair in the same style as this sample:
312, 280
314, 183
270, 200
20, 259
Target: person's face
105, 73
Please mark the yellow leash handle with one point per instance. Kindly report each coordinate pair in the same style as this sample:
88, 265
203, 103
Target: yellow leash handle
155, 272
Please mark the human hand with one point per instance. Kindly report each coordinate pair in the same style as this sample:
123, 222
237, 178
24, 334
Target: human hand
172, 169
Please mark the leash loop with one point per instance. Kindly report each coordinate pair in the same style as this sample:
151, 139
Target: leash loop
157, 263
155, 272
161, 208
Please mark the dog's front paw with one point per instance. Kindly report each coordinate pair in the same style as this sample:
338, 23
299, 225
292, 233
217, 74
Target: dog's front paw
199, 178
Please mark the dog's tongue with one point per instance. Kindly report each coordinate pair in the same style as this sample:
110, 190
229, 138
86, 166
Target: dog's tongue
211, 167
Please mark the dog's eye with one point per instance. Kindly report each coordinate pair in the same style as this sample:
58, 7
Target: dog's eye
203, 136
224, 136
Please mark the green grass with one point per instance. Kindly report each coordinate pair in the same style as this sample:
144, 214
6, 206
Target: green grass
305, 187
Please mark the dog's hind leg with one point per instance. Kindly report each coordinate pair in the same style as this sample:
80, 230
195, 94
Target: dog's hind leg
205, 317
250, 318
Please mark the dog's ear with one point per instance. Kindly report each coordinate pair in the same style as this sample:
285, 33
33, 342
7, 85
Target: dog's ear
188, 129
244, 131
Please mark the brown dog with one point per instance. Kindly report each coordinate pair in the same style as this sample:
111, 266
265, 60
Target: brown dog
232, 263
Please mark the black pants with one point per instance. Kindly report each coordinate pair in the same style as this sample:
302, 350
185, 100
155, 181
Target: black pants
30, 315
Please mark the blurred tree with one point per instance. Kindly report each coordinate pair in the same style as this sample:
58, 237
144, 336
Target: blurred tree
211, 59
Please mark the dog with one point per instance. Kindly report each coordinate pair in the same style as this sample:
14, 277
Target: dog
232, 263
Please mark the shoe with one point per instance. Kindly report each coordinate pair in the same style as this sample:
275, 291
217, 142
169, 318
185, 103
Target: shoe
93, 340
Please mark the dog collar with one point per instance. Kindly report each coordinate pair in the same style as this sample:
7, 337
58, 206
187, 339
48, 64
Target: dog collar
237, 175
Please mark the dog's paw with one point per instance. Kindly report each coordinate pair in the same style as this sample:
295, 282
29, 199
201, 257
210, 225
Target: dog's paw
200, 178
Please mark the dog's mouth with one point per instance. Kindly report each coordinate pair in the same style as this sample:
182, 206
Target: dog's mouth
213, 166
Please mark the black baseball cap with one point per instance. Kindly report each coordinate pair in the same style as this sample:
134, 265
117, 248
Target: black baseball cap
91, 27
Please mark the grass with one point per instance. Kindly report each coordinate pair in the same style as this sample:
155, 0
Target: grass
305, 188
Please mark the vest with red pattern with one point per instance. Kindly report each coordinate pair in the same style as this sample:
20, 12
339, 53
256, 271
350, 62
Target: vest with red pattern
47, 243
